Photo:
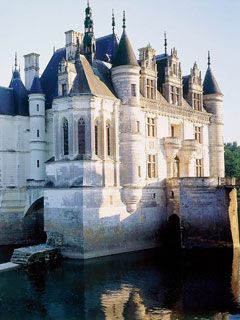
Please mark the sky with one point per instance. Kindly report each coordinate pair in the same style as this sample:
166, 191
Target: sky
192, 26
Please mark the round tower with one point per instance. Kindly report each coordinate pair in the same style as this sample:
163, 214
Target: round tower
213, 103
126, 78
37, 131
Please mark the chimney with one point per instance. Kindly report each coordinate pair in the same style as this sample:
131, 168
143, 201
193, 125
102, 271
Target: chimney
31, 68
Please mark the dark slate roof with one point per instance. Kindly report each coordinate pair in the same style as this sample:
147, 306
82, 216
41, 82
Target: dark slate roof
7, 106
210, 85
106, 48
125, 54
49, 77
185, 86
20, 95
36, 86
161, 61
86, 82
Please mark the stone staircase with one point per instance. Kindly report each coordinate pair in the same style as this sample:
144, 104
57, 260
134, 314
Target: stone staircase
42, 253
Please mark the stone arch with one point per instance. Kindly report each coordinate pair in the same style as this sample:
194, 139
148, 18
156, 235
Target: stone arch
33, 222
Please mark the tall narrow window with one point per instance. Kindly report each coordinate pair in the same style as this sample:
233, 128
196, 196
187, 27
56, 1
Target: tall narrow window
81, 136
197, 102
176, 168
199, 168
178, 96
133, 90
151, 166
150, 89
198, 134
151, 127
96, 139
38, 164
37, 107
172, 94
65, 137
64, 89
108, 140
173, 131
37, 133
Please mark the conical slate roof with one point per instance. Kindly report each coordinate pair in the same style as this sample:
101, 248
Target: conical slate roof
36, 86
210, 85
19, 94
125, 54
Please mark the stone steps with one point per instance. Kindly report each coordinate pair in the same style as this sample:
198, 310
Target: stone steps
35, 254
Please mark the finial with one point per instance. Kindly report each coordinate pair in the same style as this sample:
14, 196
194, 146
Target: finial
16, 63
165, 42
88, 4
209, 59
124, 20
113, 22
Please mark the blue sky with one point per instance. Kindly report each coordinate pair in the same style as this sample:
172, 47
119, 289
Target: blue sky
192, 26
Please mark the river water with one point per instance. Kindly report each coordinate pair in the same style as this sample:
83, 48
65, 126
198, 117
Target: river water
143, 285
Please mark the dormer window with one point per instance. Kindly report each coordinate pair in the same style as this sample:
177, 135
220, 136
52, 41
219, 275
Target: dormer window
197, 101
64, 89
150, 89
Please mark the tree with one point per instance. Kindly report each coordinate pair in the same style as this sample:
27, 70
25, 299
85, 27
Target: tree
232, 160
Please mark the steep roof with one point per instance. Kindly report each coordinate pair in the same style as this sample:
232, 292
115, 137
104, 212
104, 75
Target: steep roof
186, 85
49, 78
7, 106
161, 61
125, 54
20, 95
36, 86
86, 82
106, 48
210, 85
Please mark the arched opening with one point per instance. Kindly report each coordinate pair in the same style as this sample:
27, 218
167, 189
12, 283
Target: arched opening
176, 168
81, 136
33, 222
174, 232
96, 133
108, 129
65, 137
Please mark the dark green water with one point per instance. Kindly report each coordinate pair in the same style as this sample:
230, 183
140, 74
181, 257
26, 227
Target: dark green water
144, 285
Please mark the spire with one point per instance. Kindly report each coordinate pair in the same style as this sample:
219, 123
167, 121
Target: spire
16, 62
89, 41
165, 43
113, 22
210, 85
125, 54
124, 20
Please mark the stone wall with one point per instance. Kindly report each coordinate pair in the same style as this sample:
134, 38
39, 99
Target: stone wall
204, 213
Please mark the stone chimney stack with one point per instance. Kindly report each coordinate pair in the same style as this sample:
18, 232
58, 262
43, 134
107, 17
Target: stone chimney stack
31, 68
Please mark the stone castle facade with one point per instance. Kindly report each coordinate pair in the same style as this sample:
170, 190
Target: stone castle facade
96, 138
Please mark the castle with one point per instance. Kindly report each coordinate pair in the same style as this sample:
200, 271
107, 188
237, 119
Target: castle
97, 139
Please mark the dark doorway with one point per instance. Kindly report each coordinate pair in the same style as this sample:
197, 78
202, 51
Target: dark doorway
33, 223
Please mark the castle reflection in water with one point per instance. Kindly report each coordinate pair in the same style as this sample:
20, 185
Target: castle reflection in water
139, 286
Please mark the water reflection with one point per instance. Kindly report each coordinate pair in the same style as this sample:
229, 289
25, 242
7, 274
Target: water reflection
140, 286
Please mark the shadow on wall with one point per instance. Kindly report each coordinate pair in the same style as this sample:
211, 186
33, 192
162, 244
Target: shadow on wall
33, 223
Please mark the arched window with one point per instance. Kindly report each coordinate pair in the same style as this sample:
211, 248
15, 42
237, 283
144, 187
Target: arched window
176, 168
96, 138
81, 136
108, 129
65, 137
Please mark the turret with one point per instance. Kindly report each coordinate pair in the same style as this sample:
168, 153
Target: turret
89, 41
213, 103
126, 78
37, 131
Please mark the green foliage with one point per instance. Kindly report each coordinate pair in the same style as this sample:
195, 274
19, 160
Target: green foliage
232, 160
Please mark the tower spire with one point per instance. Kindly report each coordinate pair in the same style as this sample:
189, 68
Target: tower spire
113, 22
124, 20
165, 42
89, 42
209, 59
16, 61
